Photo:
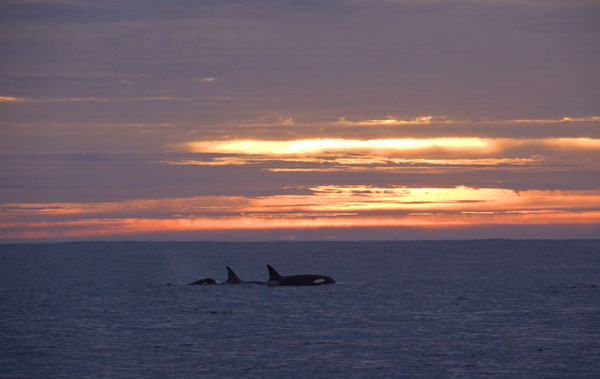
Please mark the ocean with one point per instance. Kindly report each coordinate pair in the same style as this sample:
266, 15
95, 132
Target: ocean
421, 309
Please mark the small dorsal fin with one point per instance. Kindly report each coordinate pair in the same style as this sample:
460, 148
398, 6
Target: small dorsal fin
231, 276
273, 274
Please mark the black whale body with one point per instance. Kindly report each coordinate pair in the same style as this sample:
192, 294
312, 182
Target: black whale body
203, 282
232, 278
275, 279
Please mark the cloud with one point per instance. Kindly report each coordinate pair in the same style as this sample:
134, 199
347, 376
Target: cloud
322, 99
322, 207
91, 99
363, 163
330, 145
385, 147
157, 227
11, 99
390, 121
442, 120
44, 2
565, 119
468, 156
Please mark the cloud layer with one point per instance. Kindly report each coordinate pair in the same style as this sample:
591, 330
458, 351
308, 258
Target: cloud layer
217, 119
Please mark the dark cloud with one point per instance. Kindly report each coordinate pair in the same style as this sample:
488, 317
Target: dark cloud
376, 57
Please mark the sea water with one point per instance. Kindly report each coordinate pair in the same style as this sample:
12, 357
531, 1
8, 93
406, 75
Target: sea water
493, 308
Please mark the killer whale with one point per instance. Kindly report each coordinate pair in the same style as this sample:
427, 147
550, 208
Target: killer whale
203, 282
232, 278
275, 279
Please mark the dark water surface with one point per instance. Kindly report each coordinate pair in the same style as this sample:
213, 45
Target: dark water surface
491, 308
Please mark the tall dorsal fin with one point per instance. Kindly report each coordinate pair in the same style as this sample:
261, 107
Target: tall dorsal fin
231, 276
273, 274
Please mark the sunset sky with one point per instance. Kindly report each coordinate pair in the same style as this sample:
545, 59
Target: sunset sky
299, 119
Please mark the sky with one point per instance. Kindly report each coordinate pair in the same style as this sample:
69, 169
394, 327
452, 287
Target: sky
299, 119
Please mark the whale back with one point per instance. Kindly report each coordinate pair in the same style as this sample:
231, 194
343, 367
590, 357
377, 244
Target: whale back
273, 274
232, 277
205, 281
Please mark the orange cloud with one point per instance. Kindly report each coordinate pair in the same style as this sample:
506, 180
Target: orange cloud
385, 147
336, 145
391, 121
322, 207
10, 99
168, 206
425, 120
565, 119
572, 143
361, 198
132, 226
324, 200
362, 163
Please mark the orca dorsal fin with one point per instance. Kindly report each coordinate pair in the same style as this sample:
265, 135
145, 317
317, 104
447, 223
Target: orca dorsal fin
231, 276
273, 274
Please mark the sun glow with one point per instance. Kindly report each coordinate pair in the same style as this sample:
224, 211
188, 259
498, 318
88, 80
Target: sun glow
334, 145
573, 143
384, 147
